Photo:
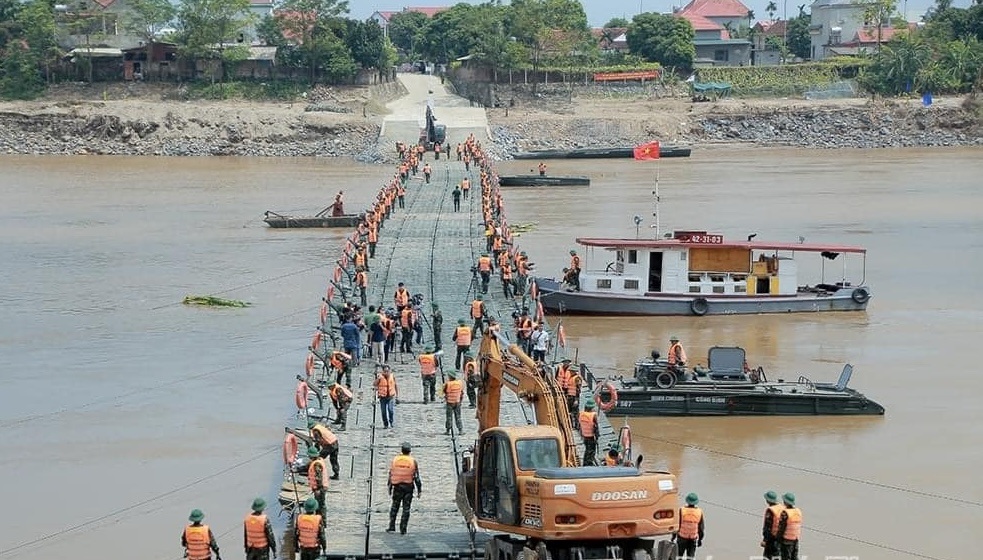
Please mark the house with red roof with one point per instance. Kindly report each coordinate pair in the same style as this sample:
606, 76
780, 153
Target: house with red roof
383, 17
712, 22
837, 28
765, 52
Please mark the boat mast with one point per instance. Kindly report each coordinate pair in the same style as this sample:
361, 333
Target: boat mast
658, 233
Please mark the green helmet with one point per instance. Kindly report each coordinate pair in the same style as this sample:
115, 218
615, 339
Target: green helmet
479, 297
462, 322
789, 498
692, 499
673, 338
589, 405
196, 516
310, 506
572, 252
311, 422
259, 504
312, 452
428, 349
565, 360
434, 305
406, 447
771, 497
452, 374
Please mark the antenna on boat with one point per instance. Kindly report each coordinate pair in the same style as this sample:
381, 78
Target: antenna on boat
656, 194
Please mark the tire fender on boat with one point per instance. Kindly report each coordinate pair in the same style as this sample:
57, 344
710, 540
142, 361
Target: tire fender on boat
699, 306
860, 295
665, 380
606, 388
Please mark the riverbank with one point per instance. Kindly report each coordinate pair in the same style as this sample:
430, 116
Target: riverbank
160, 120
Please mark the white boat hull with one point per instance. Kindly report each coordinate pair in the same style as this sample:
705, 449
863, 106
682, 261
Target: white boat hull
557, 298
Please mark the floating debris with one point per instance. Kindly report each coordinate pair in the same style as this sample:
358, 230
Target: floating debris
213, 301
523, 228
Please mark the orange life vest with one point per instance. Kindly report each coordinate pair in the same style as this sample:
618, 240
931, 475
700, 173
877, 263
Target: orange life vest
573, 385
463, 336
506, 271
324, 434
776, 516
575, 262
406, 318
428, 365
402, 297
562, 376
453, 390
385, 386
361, 280
610, 461
308, 527
477, 309
312, 480
484, 264
793, 526
198, 542
689, 522
387, 326
465, 185
675, 349
373, 234
340, 392
586, 419
256, 531
338, 359
360, 259
402, 470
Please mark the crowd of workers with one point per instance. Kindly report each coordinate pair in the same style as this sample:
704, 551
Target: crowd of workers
404, 321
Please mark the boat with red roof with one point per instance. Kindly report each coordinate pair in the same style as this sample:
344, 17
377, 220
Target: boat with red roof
700, 273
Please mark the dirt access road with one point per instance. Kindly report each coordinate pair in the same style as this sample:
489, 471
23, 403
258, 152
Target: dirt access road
406, 114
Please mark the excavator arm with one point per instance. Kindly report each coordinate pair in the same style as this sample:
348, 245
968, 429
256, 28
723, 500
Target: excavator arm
522, 376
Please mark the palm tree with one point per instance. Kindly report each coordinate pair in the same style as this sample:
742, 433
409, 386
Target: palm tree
771, 8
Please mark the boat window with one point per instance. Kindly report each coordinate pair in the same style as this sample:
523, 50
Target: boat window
694, 289
541, 453
631, 284
718, 289
632, 257
604, 283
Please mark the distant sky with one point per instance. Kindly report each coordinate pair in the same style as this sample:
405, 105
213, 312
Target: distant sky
600, 11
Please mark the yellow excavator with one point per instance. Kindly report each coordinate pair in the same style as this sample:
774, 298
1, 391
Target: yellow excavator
525, 482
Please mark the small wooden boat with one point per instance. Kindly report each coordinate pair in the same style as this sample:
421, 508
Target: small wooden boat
275, 220
600, 153
729, 388
542, 181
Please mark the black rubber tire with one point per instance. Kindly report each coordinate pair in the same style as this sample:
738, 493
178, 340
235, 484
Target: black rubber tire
665, 380
699, 306
860, 295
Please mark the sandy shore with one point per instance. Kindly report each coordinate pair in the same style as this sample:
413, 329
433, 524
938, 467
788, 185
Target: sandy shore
147, 119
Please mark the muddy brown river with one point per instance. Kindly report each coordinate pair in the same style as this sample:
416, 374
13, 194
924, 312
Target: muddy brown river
121, 409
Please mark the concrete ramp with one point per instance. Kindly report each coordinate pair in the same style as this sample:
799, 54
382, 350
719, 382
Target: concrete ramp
406, 116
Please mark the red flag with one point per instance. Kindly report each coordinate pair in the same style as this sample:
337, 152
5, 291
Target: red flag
649, 150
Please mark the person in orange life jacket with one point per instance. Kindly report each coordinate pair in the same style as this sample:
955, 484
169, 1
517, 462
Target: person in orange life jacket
341, 361
404, 474
198, 540
309, 535
317, 478
477, 314
485, 268
453, 391
327, 442
341, 398
588, 431
676, 355
563, 372
373, 239
338, 206
612, 459
769, 530
428, 373
508, 279
257, 535
690, 534
462, 336
407, 327
426, 172
789, 528
401, 297
401, 194
573, 396
523, 331
362, 283
472, 378
574, 271
388, 393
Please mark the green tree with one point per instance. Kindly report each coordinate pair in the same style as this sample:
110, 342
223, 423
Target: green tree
616, 22
797, 32
899, 67
207, 27
19, 76
662, 38
146, 19
771, 9
877, 13
311, 24
404, 28
36, 20
550, 29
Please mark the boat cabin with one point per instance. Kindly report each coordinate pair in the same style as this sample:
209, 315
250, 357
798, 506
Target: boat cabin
697, 262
